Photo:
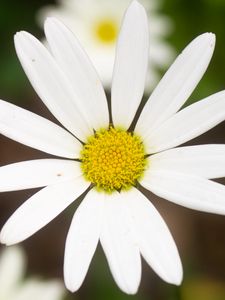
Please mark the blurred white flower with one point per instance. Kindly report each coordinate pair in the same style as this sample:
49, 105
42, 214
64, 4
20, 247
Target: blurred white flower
13, 285
96, 23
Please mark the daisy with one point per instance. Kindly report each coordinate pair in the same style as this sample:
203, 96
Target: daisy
14, 287
96, 23
107, 156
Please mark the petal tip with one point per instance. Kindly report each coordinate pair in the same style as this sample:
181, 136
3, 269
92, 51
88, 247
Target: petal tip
131, 291
178, 281
209, 37
177, 278
22, 36
51, 21
72, 287
17, 35
70, 281
135, 5
4, 240
212, 38
2, 237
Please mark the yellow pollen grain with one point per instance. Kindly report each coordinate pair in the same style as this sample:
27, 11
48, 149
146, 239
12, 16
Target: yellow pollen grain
113, 159
106, 31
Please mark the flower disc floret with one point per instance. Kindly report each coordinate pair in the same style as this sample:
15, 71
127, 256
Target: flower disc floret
113, 159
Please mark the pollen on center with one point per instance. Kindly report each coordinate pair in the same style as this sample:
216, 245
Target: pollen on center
113, 159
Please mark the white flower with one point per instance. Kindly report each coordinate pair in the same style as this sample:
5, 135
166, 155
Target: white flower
13, 286
96, 23
111, 158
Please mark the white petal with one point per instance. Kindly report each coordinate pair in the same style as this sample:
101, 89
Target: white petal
32, 130
40, 209
130, 65
51, 84
12, 263
120, 245
177, 84
155, 241
35, 289
37, 173
81, 73
186, 190
206, 161
82, 239
188, 123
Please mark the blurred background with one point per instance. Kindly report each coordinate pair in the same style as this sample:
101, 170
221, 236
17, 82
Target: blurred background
199, 236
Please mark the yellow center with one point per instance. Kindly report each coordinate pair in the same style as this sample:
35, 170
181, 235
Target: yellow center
106, 31
113, 159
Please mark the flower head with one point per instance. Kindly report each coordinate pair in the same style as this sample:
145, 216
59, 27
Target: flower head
109, 154
113, 159
14, 287
97, 24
